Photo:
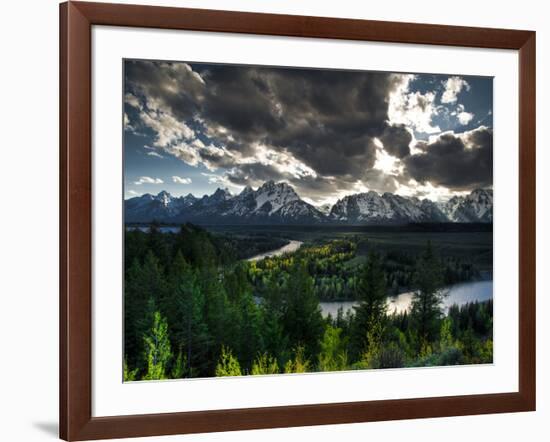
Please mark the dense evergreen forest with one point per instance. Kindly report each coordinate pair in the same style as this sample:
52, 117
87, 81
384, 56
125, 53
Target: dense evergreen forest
194, 308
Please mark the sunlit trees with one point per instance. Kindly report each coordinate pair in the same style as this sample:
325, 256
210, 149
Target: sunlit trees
298, 363
179, 367
157, 346
333, 355
128, 374
265, 364
228, 364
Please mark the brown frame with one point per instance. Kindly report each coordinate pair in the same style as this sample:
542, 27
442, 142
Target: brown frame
76, 421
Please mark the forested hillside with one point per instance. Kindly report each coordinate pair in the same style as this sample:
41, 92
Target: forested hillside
336, 267
194, 308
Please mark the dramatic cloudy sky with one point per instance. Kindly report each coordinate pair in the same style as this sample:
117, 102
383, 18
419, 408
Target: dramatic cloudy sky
193, 127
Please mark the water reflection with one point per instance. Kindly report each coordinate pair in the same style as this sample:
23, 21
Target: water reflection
456, 294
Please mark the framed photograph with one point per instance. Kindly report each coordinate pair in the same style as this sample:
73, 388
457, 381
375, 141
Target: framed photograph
272, 221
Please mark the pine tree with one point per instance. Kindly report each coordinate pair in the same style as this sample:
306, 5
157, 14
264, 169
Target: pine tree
179, 367
156, 242
246, 318
129, 374
135, 305
273, 334
157, 346
370, 314
333, 355
249, 339
299, 364
184, 308
265, 364
218, 316
370, 357
228, 364
302, 319
426, 311
446, 340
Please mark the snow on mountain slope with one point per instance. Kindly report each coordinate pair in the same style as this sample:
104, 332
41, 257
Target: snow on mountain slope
278, 203
276, 195
475, 207
298, 210
367, 206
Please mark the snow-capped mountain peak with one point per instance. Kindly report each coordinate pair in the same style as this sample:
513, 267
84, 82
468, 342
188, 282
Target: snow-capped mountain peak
189, 198
477, 206
362, 207
219, 196
271, 196
246, 191
370, 207
278, 203
222, 193
164, 197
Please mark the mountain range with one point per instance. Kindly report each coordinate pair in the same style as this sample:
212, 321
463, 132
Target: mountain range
278, 203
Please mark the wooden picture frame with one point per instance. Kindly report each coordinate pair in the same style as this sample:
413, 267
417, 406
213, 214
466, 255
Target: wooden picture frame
76, 21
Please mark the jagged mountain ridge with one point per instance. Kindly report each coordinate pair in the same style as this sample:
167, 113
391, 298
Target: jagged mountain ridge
278, 203
475, 207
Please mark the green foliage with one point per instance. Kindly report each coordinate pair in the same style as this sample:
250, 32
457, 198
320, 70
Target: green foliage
252, 244
327, 264
426, 308
446, 336
157, 347
228, 364
336, 268
486, 352
247, 339
390, 356
185, 309
189, 293
298, 364
301, 313
179, 367
129, 375
370, 315
373, 343
144, 282
333, 355
265, 364
272, 310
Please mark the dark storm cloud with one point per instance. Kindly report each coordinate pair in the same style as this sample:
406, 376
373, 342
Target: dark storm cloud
396, 140
325, 119
161, 84
314, 187
328, 119
254, 174
457, 161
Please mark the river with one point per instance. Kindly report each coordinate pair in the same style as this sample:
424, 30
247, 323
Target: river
456, 294
292, 246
